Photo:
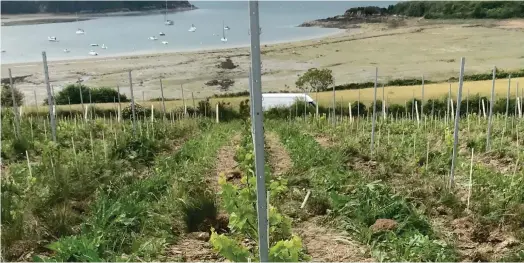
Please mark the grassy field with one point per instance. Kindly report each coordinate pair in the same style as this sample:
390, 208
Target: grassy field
184, 190
394, 94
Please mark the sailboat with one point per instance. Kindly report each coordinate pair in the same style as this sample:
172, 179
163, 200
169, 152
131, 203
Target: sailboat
192, 28
224, 38
167, 22
79, 31
104, 46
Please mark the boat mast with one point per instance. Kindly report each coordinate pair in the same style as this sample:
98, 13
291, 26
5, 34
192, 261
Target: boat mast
165, 14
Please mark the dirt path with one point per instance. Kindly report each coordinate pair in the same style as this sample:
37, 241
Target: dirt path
323, 140
322, 243
226, 162
195, 246
279, 159
191, 249
474, 241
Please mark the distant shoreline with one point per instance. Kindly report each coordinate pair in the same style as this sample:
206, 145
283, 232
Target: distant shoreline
149, 54
48, 18
405, 52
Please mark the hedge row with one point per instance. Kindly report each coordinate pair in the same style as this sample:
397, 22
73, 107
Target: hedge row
432, 107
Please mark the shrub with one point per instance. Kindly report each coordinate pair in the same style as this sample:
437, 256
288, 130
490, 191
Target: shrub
228, 64
127, 112
71, 94
7, 99
224, 84
204, 107
244, 109
226, 111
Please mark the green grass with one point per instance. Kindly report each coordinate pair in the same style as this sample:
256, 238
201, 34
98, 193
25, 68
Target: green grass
101, 193
357, 202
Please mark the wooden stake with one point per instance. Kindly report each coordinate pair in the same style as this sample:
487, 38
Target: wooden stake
152, 113
374, 111
484, 109
507, 102
184, 100
457, 119
15, 106
216, 113
28, 164
422, 99
492, 100
350, 113
416, 111
133, 111
50, 100
36, 101
305, 199
470, 179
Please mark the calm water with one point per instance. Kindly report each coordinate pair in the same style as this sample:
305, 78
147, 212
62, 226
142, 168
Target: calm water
129, 34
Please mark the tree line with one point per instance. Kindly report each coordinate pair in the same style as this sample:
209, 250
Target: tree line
447, 9
32, 7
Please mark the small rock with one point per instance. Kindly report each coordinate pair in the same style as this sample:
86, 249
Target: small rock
203, 236
233, 174
384, 225
222, 221
442, 210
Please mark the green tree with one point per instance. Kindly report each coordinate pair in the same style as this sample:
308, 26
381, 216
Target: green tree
315, 80
7, 99
71, 93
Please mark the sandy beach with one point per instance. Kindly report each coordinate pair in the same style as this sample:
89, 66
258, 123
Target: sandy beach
421, 47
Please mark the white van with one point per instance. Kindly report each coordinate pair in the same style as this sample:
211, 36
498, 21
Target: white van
274, 100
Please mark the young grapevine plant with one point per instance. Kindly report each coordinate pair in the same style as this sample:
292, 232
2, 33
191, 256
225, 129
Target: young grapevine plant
239, 201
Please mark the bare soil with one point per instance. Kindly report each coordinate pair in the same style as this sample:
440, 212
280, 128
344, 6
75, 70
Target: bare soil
474, 241
191, 249
322, 243
195, 246
384, 225
327, 245
279, 159
226, 162
323, 141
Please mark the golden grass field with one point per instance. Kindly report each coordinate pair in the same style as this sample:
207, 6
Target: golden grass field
394, 94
